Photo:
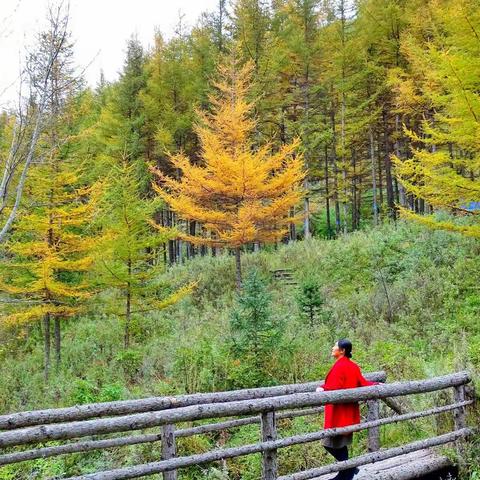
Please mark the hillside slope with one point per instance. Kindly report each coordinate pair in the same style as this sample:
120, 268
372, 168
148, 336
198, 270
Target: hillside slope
408, 299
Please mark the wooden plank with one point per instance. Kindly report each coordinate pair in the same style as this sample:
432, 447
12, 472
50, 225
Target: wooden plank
459, 415
375, 457
404, 467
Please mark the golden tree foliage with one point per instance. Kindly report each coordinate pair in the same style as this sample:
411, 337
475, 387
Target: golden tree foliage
47, 251
239, 193
444, 83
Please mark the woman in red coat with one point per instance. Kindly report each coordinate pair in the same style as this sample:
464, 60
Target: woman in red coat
343, 374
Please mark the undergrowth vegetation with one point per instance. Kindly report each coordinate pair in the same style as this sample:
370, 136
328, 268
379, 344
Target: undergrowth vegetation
408, 298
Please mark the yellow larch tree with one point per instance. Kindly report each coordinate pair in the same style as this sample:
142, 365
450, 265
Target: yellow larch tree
239, 192
48, 252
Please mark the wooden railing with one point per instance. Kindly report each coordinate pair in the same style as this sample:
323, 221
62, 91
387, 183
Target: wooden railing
262, 405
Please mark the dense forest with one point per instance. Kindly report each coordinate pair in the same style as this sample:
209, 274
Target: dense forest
141, 219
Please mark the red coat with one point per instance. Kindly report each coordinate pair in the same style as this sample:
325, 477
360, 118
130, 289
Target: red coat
343, 374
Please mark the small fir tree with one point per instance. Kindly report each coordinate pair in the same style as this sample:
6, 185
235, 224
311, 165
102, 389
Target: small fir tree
310, 300
255, 333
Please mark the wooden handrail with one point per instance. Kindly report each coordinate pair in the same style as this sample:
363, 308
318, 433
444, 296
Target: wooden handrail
263, 402
125, 407
215, 410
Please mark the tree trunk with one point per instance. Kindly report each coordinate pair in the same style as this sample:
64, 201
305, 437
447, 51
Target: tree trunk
343, 119
380, 178
306, 211
238, 268
128, 306
354, 193
388, 169
46, 337
335, 169
58, 339
327, 196
374, 178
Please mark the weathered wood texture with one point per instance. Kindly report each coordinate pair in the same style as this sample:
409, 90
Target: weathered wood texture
238, 451
404, 467
158, 467
374, 432
459, 415
215, 427
269, 457
380, 455
125, 407
169, 449
215, 410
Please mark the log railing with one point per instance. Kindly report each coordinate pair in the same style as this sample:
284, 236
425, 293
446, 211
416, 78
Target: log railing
262, 405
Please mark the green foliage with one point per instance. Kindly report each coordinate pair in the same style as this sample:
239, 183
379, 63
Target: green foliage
310, 300
190, 347
255, 334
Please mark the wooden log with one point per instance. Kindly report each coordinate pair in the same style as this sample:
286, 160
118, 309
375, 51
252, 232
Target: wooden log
158, 467
459, 415
298, 439
169, 449
459, 419
381, 455
374, 432
197, 412
222, 454
394, 405
76, 447
125, 407
269, 457
404, 467
219, 426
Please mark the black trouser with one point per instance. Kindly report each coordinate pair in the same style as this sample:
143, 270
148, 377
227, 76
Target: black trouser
341, 454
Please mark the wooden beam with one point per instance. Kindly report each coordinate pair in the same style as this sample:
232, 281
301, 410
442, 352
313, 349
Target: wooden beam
379, 456
158, 467
221, 454
89, 445
240, 422
197, 412
169, 449
125, 407
76, 447
374, 432
269, 457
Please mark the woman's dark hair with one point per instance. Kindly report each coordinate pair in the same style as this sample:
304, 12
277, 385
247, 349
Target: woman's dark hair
346, 345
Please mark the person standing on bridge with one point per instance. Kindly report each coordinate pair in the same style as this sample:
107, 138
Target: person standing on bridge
344, 374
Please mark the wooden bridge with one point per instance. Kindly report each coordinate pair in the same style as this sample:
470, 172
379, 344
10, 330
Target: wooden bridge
263, 406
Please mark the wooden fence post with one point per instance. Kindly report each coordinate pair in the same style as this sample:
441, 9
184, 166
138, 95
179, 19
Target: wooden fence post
459, 414
373, 433
459, 419
269, 457
169, 449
